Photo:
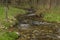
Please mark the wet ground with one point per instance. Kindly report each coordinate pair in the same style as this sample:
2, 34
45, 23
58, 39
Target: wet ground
32, 28
45, 31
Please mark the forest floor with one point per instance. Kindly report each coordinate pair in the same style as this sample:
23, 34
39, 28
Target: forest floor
49, 30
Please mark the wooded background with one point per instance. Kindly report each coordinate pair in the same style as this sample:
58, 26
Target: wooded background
34, 3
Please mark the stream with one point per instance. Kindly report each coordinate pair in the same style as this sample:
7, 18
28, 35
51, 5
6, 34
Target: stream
30, 27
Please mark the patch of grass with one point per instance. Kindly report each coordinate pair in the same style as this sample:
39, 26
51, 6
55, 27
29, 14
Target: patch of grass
11, 13
1, 13
53, 15
5, 35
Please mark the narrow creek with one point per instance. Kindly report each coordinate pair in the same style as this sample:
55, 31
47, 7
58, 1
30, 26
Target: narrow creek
32, 28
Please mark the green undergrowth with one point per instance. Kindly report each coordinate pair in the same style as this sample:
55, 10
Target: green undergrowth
5, 35
53, 15
12, 11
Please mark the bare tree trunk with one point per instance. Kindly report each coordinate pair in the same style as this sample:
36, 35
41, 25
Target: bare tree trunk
6, 10
49, 4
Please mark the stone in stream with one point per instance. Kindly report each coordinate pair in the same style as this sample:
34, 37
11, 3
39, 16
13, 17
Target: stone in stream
31, 15
58, 37
38, 23
23, 26
35, 23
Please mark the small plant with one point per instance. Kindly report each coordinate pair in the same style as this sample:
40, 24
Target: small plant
4, 35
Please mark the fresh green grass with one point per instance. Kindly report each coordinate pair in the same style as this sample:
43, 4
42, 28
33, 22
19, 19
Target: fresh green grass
5, 35
11, 13
2, 13
53, 15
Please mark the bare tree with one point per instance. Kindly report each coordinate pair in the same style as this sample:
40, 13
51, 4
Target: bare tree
6, 9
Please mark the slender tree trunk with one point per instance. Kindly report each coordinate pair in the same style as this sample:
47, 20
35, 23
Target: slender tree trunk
6, 10
49, 4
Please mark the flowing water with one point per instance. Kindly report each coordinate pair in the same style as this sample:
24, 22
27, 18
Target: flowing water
32, 28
